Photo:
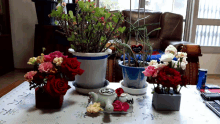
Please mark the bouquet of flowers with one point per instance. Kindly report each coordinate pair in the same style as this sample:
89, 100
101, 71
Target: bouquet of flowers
53, 73
170, 73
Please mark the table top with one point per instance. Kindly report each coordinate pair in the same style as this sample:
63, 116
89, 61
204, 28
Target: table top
18, 106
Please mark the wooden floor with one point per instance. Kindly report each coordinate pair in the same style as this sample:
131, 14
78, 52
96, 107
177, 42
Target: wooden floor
16, 77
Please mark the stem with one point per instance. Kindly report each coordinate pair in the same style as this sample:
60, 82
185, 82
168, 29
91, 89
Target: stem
180, 88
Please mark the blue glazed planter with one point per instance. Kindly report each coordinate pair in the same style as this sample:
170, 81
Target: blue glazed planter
133, 76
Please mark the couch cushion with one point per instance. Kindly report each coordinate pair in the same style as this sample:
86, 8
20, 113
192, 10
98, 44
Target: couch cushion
153, 18
171, 26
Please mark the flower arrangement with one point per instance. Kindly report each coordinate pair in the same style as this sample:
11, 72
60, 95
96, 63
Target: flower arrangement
53, 73
90, 29
168, 74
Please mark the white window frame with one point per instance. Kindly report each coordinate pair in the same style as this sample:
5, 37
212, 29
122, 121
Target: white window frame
202, 21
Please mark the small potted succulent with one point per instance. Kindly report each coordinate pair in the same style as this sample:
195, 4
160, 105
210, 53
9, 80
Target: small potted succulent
51, 79
168, 76
88, 32
132, 68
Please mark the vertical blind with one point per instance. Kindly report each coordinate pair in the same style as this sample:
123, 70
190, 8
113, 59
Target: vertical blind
208, 35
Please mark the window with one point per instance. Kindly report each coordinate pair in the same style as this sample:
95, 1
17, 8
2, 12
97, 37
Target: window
206, 25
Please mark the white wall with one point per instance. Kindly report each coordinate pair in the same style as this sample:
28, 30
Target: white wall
23, 19
210, 62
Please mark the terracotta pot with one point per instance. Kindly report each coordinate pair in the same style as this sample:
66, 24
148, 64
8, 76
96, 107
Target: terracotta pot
46, 101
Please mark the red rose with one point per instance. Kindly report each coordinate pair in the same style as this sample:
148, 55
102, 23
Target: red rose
56, 86
169, 77
71, 67
38, 78
119, 106
119, 91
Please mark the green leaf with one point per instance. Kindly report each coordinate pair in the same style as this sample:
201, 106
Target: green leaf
60, 9
56, 23
107, 16
153, 31
81, 4
72, 46
71, 14
114, 18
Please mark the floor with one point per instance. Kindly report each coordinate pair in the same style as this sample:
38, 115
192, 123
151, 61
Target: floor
16, 75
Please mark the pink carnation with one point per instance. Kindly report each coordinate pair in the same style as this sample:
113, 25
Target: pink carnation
45, 67
29, 75
57, 54
150, 71
47, 58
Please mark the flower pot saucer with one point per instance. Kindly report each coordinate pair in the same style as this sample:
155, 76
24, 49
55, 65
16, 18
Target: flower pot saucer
86, 91
132, 90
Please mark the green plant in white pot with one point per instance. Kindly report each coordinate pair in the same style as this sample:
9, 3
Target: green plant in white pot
132, 69
89, 32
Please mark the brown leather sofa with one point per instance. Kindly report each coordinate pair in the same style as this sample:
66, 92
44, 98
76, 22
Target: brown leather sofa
171, 33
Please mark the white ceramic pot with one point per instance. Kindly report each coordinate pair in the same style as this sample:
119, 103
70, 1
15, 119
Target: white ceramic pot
94, 65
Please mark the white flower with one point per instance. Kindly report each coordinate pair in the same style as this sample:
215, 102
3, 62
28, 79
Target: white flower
183, 65
153, 62
167, 57
58, 61
183, 60
181, 55
171, 49
174, 63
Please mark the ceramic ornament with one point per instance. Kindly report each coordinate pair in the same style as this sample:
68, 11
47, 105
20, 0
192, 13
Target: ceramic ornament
106, 96
137, 48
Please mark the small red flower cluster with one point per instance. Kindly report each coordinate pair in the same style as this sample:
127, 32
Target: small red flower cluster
120, 106
119, 91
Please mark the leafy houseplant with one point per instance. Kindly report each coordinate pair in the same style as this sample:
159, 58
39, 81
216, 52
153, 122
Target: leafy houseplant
90, 30
168, 77
132, 70
50, 81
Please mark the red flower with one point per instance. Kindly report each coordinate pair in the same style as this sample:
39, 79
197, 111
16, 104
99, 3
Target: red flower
71, 67
169, 77
119, 91
119, 106
56, 86
102, 18
38, 78
88, 0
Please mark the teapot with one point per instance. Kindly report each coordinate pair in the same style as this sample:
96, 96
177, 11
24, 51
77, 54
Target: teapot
106, 97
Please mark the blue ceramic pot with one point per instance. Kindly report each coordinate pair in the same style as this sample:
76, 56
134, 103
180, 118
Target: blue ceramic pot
133, 76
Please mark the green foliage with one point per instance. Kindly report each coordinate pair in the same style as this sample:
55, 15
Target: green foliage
91, 29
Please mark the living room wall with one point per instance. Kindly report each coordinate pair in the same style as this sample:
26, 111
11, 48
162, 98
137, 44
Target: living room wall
23, 19
210, 62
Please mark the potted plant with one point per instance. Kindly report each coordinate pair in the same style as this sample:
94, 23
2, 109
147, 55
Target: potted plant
50, 81
89, 32
168, 76
43, 9
132, 68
